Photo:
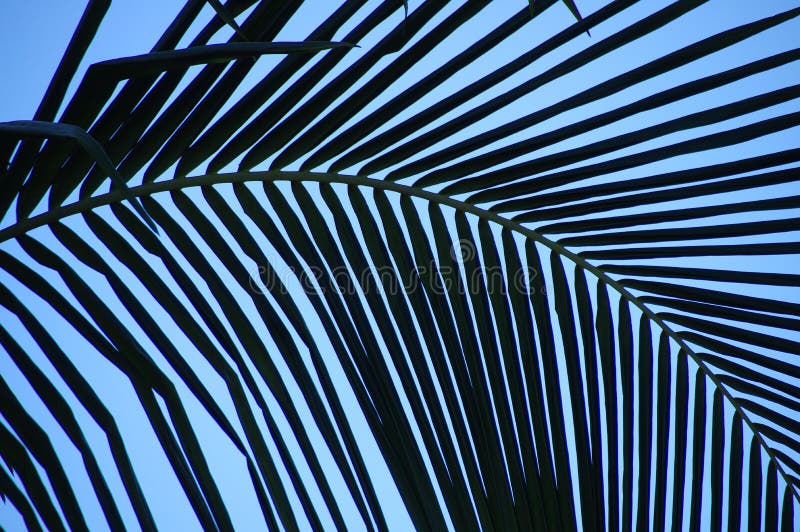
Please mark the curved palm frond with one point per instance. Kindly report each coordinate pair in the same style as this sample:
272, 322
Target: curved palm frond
535, 280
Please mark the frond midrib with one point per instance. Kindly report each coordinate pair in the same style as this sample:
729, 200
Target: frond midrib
147, 189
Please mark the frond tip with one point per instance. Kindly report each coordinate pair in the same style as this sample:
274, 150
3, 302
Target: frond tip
19, 129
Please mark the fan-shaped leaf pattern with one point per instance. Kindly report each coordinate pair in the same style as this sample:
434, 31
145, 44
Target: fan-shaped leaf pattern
511, 296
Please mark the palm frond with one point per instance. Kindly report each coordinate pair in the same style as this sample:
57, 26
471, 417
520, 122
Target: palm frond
533, 280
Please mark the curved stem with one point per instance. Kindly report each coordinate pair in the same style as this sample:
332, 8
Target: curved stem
147, 189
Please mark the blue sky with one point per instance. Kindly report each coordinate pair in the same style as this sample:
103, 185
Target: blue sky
33, 35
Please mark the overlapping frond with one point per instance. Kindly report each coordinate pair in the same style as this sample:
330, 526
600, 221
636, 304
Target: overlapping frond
485, 271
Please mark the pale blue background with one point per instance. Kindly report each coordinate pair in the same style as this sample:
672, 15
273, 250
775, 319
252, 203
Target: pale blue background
33, 35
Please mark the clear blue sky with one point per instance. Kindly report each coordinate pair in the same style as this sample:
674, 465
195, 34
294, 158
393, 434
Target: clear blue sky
33, 35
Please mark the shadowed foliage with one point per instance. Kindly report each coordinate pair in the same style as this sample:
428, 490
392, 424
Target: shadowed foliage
463, 265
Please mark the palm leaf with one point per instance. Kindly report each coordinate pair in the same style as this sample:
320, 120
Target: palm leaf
422, 282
